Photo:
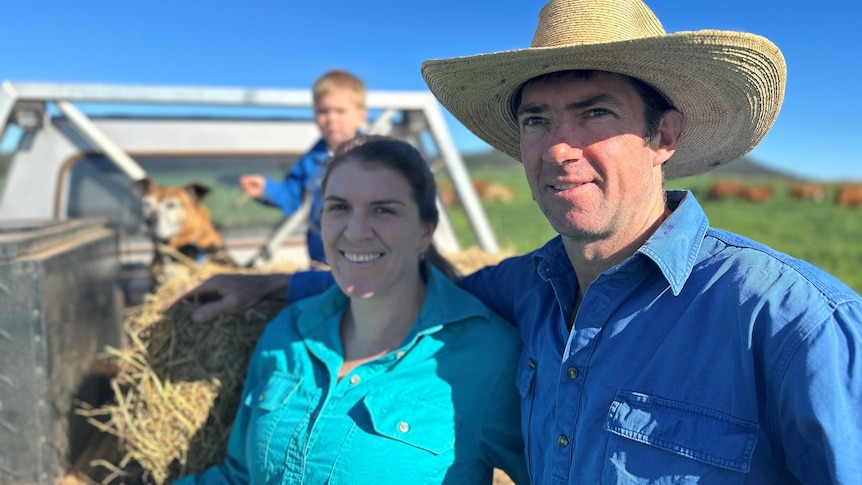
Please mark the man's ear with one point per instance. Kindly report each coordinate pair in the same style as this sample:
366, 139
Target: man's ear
669, 133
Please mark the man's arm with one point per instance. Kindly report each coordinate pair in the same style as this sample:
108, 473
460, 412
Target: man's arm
497, 287
500, 286
232, 293
817, 406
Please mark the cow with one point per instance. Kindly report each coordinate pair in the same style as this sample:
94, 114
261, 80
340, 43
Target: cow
496, 192
447, 193
849, 195
724, 189
756, 193
815, 192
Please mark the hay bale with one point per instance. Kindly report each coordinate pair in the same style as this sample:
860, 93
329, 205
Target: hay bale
473, 258
178, 384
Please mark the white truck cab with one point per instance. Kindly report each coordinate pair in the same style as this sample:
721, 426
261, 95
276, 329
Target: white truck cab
77, 148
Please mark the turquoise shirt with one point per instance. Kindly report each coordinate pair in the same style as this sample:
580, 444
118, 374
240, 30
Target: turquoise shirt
443, 408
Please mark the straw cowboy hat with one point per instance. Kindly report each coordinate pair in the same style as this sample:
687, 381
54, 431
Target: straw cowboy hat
728, 85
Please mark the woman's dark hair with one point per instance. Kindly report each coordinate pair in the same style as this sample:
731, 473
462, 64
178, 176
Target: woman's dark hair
404, 159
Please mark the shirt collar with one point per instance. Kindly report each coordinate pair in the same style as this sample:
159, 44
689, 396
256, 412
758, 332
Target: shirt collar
673, 247
445, 303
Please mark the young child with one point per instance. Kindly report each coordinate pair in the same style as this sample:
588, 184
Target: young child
339, 111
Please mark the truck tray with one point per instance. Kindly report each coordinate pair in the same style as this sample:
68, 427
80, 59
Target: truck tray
60, 304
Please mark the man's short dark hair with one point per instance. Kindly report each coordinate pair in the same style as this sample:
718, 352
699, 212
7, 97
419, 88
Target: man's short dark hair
655, 104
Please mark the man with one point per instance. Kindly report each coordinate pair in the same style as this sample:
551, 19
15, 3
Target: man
656, 349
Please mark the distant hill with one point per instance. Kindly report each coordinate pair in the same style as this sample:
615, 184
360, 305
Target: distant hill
742, 167
747, 167
490, 159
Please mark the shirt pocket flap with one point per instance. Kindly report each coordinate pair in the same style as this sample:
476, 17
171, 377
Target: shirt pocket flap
416, 422
684, 429
272, 391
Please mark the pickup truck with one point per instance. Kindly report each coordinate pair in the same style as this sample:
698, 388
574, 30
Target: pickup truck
73, 250
76, 149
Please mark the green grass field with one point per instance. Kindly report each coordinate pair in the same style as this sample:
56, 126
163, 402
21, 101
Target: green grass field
820, 233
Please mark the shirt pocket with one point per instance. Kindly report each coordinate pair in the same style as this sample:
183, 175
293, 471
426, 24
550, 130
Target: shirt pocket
422, 424
660, 440
267, 432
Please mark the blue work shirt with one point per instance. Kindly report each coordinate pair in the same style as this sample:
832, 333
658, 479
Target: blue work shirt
704, 357
443, 408
304, 178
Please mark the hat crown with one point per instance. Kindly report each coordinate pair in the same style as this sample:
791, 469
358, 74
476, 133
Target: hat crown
582, 22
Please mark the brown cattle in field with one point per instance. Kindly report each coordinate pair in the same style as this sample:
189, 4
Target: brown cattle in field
849, 195
479, 185
815, 192
724, 189
495, 192
447, 193
756, 193
488, 192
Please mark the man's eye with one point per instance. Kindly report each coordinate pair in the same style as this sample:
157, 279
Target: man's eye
383, 210
336, 207
597, 112
532, 121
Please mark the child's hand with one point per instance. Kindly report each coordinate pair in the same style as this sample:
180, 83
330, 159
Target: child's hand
252, 185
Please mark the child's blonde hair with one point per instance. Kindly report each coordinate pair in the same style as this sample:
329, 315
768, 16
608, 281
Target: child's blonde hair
339, 80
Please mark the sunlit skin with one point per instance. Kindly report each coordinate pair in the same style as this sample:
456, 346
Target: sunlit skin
590, 170
373, 239
338, 116
372, 234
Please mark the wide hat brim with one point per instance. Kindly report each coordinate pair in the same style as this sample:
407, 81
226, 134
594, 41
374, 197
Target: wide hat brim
728, 85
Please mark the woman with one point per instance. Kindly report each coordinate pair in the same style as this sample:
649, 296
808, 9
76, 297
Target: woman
394, 376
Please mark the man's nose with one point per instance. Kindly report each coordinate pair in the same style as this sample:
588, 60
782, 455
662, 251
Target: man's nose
564, 143
561, 151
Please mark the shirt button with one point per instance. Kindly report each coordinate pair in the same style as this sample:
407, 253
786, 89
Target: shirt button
562, 441
572, 373
355, 379
262, 396
399, 354
532, 364
403, 427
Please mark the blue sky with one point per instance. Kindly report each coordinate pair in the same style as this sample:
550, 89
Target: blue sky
288, 43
